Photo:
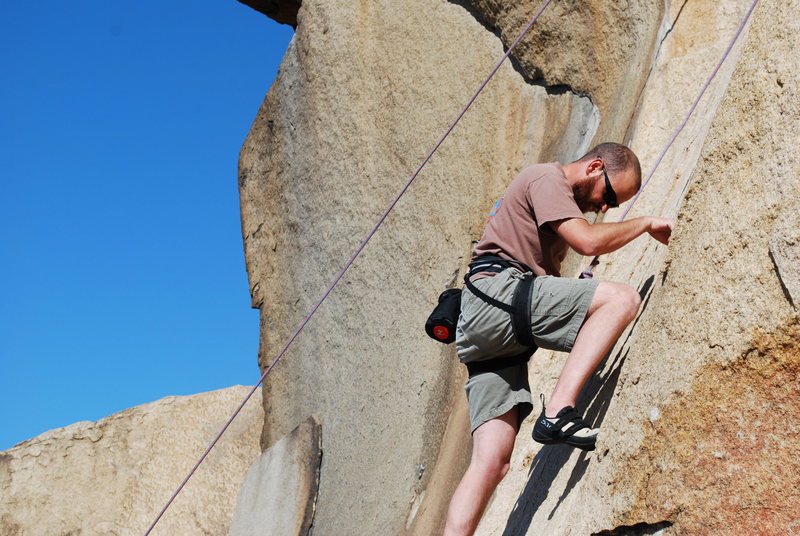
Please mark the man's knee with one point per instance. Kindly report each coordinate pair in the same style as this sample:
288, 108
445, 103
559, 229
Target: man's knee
624, 297
493, 443
631, 300
493, 465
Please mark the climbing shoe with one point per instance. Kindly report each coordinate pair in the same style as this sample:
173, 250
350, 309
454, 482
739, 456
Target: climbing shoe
567, 427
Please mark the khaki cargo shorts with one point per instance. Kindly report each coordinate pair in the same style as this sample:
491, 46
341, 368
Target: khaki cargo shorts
558, 309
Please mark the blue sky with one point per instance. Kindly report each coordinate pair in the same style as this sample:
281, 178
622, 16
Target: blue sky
122, 263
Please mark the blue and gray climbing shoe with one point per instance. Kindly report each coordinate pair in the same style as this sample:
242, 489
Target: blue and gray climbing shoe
566, 427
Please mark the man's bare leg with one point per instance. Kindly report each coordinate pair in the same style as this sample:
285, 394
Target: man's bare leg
492, 444
613, 307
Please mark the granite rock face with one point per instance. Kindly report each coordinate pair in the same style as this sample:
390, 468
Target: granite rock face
694, 402
598, 48
113, 476
725, 445
365, 90
359, 98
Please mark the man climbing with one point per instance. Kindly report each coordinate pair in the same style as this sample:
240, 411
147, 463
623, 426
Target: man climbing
538, 218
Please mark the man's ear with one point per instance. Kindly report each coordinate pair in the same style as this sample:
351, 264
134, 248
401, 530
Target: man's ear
594, 166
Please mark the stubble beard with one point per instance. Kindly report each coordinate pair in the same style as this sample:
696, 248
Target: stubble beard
581, 192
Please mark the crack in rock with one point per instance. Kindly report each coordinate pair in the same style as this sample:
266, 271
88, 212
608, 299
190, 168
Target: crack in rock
790, 282
639, 529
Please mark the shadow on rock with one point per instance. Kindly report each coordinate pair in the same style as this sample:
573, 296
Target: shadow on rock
549, 461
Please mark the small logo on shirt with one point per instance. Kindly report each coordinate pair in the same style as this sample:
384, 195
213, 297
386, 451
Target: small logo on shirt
494, 210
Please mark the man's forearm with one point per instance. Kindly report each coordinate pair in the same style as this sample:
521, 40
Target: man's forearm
607, 237
601, 238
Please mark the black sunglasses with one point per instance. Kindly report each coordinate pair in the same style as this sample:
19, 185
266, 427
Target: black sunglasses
609, 195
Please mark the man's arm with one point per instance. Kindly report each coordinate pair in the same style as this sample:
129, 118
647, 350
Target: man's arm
600, 238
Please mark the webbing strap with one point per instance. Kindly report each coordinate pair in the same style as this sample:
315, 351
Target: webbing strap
488, 263
521, 317
573, 418
488, 260
488, 299
498, 363
520, 307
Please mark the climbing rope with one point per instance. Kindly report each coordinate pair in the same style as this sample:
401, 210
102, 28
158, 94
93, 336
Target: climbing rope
349, 263
587, 273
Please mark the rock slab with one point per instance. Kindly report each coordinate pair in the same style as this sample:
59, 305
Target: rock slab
365, 89
279, 492
363, 93
113, 476
694, 405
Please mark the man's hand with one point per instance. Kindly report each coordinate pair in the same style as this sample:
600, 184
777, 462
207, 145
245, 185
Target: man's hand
661, 229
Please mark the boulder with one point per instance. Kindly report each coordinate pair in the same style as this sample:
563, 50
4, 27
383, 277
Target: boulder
600, 48
113, 476
363, 93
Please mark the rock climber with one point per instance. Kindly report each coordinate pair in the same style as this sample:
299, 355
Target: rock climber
538, 218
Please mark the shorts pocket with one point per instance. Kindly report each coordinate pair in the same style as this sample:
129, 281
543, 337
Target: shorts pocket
550, 301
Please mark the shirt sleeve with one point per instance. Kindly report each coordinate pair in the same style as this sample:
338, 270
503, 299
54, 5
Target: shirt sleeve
551, 199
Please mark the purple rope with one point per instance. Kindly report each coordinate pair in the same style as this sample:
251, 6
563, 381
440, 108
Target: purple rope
349, 263
587, 274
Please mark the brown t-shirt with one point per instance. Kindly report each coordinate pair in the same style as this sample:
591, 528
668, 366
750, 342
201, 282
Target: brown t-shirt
518, 224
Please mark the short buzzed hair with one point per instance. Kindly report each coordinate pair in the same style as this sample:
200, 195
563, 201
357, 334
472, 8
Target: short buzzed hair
617, 158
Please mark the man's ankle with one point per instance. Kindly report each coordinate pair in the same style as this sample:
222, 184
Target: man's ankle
551, 410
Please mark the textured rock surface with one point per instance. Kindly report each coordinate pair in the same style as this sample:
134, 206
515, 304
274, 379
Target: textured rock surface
714, 353
279, 493
360, 97
601, 48
112, 477
734, 409
364, 91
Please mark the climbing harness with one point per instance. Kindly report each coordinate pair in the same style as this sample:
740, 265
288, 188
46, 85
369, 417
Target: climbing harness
441, 323
350, 262
520, 307
588, 272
